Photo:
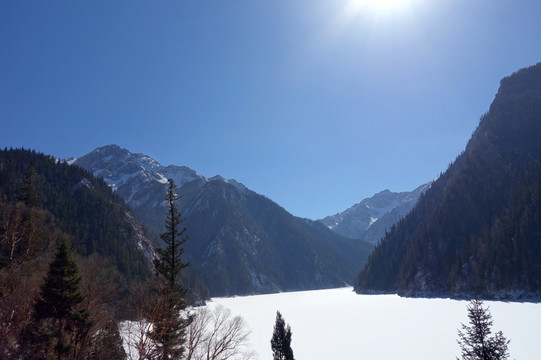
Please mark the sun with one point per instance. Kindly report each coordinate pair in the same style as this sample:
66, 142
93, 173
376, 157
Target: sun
378, 5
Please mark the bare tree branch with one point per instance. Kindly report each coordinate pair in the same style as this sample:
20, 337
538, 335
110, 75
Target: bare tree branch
218, 335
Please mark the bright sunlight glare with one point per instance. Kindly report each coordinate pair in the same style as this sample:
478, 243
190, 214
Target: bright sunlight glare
378, 5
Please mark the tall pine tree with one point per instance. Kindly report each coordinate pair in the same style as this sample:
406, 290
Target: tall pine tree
169, 265
281, 340
60, 322
169, 316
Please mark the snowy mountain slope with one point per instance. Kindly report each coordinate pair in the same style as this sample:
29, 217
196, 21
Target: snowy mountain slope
369, 219
241, 242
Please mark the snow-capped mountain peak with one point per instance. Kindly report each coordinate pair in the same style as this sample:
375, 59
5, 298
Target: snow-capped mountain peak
369, 219
119, 167
133, 174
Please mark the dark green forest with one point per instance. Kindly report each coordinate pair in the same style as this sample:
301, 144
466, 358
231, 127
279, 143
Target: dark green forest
72, 201
477, 230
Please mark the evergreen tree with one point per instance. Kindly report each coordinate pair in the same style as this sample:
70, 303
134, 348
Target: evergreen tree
168, 313
281, 340
60, 323
169, 265
475, 340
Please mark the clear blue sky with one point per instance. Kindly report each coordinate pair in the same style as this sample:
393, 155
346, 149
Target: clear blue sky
315, 104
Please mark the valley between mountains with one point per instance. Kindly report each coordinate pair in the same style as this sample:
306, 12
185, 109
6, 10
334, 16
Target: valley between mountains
242, 242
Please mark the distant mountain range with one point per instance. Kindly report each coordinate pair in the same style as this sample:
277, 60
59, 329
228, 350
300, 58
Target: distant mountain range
241, 242
477, 230
369, 219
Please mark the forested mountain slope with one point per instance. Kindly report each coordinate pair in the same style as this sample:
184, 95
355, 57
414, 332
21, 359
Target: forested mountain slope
477, 230
243, 242
72, 201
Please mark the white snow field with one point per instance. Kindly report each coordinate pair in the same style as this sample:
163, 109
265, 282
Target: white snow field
338, 324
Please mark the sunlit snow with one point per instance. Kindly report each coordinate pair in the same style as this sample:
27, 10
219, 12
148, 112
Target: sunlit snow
338, 324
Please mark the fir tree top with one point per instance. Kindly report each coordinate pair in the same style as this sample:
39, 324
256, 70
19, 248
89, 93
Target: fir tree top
60, 292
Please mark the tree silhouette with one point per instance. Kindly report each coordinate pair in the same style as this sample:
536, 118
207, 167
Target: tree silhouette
475, 340
168, 314
281, 340
60, 323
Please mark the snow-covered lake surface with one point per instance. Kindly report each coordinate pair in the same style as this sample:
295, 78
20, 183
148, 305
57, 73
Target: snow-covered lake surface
339, 324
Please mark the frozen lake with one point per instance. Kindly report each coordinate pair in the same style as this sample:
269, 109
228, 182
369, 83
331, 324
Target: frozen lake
338, 324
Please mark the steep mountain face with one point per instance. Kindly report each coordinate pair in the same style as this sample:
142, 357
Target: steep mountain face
138, 179
80, 205
477, 230
240, 242
369, 219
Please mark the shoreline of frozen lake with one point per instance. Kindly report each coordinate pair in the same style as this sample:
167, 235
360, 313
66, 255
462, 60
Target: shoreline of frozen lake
339, 324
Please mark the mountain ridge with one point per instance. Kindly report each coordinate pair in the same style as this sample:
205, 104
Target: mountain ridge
369, 219
241, 241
